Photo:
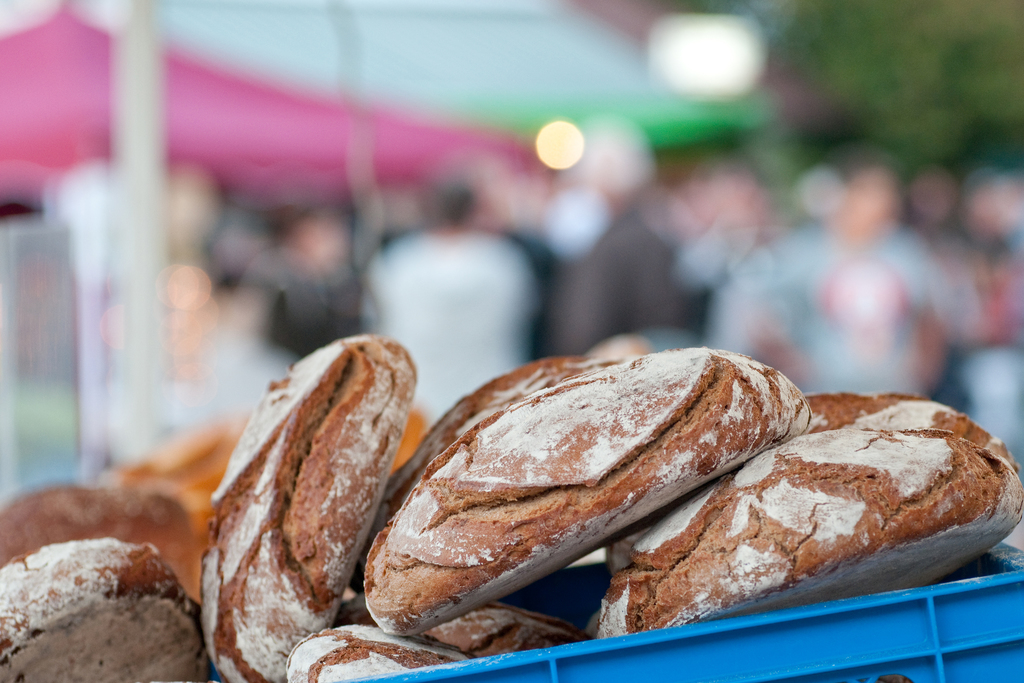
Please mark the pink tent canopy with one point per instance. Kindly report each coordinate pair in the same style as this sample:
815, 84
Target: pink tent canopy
55, 109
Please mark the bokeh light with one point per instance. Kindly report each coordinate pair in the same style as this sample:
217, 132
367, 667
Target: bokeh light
185, 288
707, 56
559, 145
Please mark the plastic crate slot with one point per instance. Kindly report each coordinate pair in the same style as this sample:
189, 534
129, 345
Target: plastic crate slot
878, 634
1003, 662
962, 631
979, 616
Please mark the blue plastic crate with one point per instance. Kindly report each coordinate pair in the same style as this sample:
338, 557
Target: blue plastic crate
967, 629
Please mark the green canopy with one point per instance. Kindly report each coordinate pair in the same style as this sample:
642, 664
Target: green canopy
513, 63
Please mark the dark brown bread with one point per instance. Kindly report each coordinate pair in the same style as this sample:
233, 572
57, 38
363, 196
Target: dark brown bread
824, 516
96, 611
353, 612
296, 504
896, 412
473, 409
72, 513
348, 652
550, 478
497, 629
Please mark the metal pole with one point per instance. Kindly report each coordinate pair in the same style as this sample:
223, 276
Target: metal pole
139, 142
8, 366
359, 164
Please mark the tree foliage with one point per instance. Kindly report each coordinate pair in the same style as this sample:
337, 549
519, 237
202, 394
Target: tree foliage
931, 80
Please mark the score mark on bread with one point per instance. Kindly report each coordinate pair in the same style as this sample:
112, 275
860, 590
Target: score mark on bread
547, 480
825, 516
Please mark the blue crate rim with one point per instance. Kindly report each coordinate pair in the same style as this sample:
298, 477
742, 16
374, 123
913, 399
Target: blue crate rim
549, 656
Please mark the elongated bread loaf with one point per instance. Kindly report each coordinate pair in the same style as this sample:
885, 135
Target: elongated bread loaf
824, 516
473, 409
550, 478
898, 412
296, 504
347, 652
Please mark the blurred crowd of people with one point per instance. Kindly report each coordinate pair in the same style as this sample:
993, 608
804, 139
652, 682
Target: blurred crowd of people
855, 282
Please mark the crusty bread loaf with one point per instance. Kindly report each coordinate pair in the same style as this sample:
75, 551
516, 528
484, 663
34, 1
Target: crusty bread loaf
72, 513
187, 467
354, 612
550, 478
96, 611
617, 555
297, 501
497, 629
824, 516
898, 412
348, 652
473, 409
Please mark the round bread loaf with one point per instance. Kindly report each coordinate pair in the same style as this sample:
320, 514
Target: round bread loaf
73, 513
473, 409
549, 479
348, 652
297, 500
822, 517
897, 412
497, 629
96, 611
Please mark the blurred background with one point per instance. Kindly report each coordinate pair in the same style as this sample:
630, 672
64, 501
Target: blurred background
196, 193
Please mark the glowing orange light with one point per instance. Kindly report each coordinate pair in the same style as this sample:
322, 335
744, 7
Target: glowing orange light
559, 145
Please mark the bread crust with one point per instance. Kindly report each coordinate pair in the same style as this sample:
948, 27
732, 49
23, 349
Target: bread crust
497, 629
473, 409
896, 412
72, 513
547, 480
825, 516
97, 610
297, 501
361, 651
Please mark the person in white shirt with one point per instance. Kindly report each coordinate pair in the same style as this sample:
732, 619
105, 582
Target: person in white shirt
460, 299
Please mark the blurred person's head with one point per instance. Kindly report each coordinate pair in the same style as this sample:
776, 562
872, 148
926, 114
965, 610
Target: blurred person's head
452, 205
727, 196
493, 186
992, 205
743, 202
932, 196
870, 206
820, 192
617, 160
316, 242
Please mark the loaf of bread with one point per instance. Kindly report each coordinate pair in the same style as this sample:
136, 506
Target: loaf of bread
96, 611
497, 629
552, 477
188, 467
898, 412
492, 397
73, 513
349, 652
618, 555
297, 500
825, 516
354, 612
